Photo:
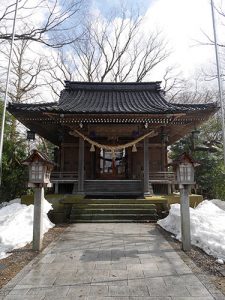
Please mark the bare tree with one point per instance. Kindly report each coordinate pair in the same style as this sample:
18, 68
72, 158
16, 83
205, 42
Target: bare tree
51, 23
27, 68
25, 79
112, 49
220, 17
172, 82
208, 40
194, 90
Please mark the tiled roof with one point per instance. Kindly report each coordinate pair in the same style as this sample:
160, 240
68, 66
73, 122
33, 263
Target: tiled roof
112, 98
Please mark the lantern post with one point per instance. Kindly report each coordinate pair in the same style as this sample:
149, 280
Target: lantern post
40, 168
184, 168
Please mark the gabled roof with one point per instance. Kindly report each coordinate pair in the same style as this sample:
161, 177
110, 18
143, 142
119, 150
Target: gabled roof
112, 98
111, 103
185, 158
37, 155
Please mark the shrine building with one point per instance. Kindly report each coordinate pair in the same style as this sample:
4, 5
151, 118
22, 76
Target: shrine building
112, 138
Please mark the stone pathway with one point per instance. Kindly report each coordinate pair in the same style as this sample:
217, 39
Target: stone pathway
109, 261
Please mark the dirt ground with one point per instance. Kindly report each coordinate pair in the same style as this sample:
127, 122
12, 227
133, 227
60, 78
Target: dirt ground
19, 258
207, 264
11, 265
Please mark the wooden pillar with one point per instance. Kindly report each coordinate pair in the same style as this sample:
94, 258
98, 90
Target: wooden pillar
130, 164
147, 186
61, 158
162, 156
56, 186
169, 190
81, 166
93, 165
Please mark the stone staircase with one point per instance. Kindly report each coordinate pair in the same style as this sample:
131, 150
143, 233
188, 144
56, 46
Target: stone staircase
113, 187
113, 211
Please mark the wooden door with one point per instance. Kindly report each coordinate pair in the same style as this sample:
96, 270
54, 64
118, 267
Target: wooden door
113, 168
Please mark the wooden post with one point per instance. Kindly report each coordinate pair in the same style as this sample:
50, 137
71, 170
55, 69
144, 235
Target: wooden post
56, 185
169, 189
185, 217
147, 186
93, 165
38, 218
130, 164
81, 166
162, 157
61, 159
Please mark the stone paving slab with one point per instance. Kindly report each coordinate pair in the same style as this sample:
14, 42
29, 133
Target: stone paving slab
110, 261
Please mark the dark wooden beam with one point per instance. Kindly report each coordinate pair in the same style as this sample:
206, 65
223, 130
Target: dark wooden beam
81, 167
147, 186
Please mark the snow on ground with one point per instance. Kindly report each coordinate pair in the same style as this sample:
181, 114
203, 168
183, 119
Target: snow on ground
17, 200
16, 225
207, 226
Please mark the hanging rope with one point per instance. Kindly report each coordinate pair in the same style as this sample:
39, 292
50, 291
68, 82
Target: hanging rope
112, 148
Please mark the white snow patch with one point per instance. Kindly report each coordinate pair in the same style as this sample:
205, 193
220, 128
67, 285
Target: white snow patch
17, 200
16, 225
219, 203
207, 226
220, 261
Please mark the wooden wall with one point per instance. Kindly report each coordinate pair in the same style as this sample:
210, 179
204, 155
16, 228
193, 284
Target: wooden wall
157, 160
69, 160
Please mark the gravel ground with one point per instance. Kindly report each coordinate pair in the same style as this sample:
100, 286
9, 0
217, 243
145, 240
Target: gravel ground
206, 264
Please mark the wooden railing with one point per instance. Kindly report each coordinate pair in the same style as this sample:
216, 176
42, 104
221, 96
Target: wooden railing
162, 177
64, 175
162, 183
166, 177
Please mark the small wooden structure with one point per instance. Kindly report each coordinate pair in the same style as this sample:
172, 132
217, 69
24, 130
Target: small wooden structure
112, 138
40, 168
184, 169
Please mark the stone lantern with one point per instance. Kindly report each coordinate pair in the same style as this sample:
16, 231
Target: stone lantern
184, 168
40, 168
30, 135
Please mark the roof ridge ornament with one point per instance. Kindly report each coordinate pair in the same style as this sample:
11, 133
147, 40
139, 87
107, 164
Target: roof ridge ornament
76, 85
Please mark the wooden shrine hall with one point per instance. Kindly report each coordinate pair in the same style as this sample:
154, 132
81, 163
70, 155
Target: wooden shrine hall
112, 138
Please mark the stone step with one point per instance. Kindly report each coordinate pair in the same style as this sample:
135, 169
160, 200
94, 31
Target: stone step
134, 217
119, 201
113, 193
113, 187
113, 211
114, 206
112, 221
